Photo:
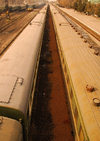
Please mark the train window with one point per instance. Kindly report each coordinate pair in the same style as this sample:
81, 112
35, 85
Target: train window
30, 108
69, 87
28, 112
65, 69
63, 60
76, 115
81, 135
78, 125
79, 130
73, 104
61, 52
71, 94
32, 88
67, 79
75, 137
66, 72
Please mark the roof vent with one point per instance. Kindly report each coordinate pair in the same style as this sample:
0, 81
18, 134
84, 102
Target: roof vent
96, 52
90, 88
96, 101
20, 81
62, 24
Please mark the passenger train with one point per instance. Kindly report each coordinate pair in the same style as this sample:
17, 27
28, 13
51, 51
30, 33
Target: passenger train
81, 71
17, 7
18, 72
13, 8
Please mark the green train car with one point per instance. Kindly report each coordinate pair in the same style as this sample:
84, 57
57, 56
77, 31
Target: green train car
18, 73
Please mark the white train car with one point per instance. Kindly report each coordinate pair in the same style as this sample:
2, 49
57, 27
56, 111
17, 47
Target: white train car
81, 69
18, 72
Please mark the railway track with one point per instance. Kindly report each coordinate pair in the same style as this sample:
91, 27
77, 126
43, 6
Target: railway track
82, 30
3, 17
13, 28
5, 26
85, 27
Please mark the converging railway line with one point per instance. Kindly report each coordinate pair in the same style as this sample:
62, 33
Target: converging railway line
49, 79
4, 25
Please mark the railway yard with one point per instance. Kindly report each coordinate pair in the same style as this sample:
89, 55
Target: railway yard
50, 59
11, 28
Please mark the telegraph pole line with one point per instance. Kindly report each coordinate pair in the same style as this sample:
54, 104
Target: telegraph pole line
6, 4
7, 9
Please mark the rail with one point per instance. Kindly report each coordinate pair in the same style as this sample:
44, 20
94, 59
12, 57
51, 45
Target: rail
7, 25
88, 29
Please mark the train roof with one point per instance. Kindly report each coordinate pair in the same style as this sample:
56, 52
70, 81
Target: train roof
84, 72
10, 130
17, 65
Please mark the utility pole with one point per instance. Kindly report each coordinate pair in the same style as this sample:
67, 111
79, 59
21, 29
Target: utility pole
6, 4
7, 9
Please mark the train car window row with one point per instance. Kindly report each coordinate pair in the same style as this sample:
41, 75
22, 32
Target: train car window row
32, 93
76, 117
81, 135
71, 94
78, 125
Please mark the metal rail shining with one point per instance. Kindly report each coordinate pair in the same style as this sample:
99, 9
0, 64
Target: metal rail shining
89, 30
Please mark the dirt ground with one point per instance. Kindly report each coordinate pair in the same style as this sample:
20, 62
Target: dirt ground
50, 115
